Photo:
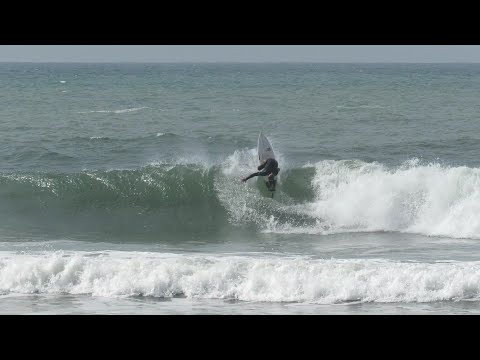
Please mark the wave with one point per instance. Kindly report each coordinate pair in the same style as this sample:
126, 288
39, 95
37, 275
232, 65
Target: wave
157, 200
266, 278
429, 199
317, 198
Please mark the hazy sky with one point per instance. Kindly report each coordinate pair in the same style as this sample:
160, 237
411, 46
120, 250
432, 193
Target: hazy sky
240, 53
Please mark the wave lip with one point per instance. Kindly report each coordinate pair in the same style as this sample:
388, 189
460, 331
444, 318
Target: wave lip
271, 279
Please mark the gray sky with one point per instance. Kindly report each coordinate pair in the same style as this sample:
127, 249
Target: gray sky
240, 53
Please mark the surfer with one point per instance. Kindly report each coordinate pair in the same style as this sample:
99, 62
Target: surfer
270, 169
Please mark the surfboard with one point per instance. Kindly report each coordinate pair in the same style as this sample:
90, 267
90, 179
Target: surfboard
265, 151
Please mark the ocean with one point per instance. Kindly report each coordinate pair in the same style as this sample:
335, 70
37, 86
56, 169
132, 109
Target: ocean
120, 189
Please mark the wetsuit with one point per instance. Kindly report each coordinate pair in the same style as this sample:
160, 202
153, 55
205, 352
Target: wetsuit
269, 166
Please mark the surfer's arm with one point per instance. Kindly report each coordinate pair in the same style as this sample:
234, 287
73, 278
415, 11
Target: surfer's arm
250, 176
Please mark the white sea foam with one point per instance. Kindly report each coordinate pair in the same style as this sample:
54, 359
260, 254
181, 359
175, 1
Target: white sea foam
266, 278
427, 199
121, 111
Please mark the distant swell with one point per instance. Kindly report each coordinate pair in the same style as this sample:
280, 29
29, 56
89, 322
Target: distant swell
113, 274
120, 111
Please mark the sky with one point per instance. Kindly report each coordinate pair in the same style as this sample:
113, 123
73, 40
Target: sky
241, 53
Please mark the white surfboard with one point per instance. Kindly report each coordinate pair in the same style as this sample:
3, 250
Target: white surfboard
264, 148
265, 151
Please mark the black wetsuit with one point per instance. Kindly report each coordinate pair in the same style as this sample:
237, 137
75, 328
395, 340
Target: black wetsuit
269, 166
